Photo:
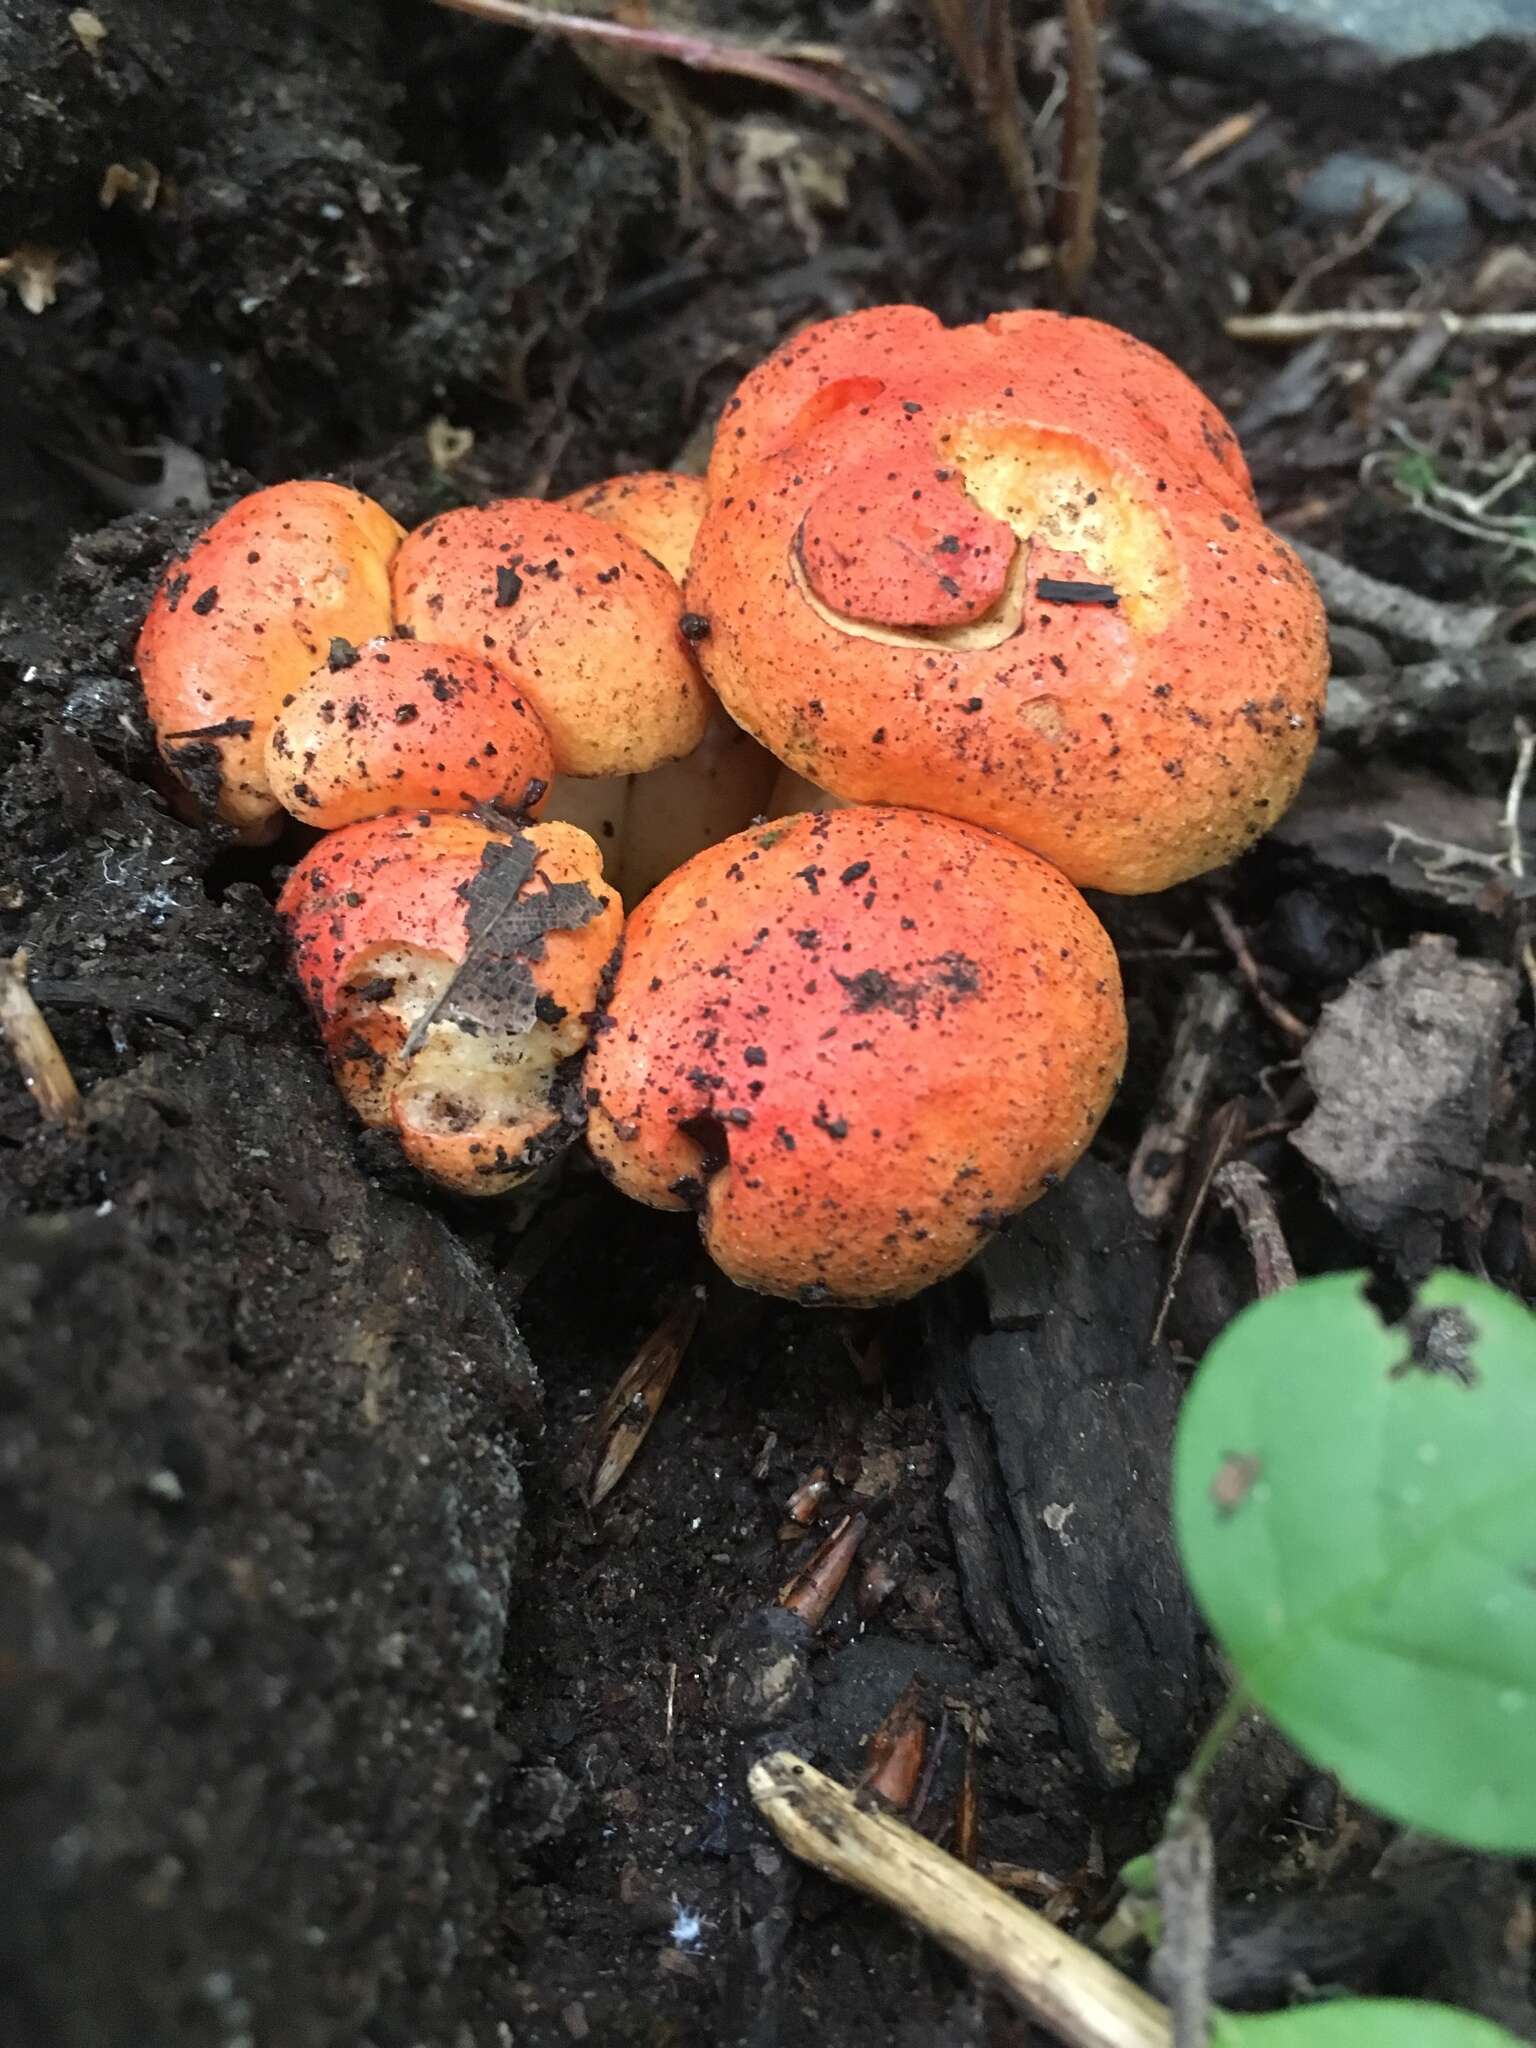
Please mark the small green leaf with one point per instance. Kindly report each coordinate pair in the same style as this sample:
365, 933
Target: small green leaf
1139, 1877
1356, 1507
1415, 473
1360, 2023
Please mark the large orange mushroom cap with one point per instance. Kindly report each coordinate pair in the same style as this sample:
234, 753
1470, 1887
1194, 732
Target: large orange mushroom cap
856, 1041
660, 510
244, 617
1014, 573
587, 619
402, 725
456, 973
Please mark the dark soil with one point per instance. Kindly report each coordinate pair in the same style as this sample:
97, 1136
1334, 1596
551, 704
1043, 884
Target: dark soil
331, 1713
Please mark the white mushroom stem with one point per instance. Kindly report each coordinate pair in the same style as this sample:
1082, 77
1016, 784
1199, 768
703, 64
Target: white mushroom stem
649, 824
793, 793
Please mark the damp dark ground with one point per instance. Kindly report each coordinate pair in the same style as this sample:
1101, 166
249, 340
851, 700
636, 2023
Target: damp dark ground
331, 1713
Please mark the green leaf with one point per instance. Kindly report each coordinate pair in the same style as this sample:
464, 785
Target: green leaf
1356, 1507
1360, 2023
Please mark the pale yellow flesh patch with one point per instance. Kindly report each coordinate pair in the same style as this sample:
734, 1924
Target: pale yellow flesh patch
458, 1081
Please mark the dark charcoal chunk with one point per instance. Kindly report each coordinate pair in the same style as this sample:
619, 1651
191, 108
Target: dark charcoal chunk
1059, 1418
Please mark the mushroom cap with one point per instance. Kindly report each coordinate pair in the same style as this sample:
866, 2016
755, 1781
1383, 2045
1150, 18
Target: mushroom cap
381, 916
244, 616
658, 509
856, 1041
1015, 573
588, 621
404, 725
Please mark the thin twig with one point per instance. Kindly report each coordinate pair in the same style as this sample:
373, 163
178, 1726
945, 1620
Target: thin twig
1156, 1175
1181, 1968
1354, 245
1525, 756
1289, 327
1217, 141
935, 1757
25, 1030
1350, 593
1076, 1994
1077, 205
698, 52
1283, 1019
967, 1838
1021, 1877
990, 68
1240, 1187
1225, 1131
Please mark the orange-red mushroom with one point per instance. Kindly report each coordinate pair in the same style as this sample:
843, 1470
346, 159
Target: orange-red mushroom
244, 617
402, 725
856, 1041
590, 623
456, 973
659, 510
1015, 573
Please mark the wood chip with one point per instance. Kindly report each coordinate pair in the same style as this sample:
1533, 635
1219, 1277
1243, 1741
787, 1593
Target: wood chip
1082, 2000
25, 1030
1157, 1172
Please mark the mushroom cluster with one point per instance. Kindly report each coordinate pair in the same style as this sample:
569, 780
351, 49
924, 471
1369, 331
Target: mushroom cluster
961, 621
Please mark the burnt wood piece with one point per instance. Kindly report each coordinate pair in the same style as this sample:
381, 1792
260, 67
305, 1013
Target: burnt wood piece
1059, 1417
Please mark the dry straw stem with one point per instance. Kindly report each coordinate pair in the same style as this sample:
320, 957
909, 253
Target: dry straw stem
34, 1047
1078, 1996
1289, 327
699, 52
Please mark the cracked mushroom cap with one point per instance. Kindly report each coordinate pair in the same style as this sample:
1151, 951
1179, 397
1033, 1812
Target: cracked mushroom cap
658, 509
1015, 573
244, 617
455, 972
856, 1041
587, 620
402, 725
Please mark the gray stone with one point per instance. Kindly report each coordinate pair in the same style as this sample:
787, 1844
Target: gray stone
1405, 1066
1272, 43
1432, 222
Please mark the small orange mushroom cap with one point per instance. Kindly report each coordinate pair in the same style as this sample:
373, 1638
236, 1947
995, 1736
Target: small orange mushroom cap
588, 620
856, 1041
1015, 573
658, 509
244, 617
403, 725
456, 973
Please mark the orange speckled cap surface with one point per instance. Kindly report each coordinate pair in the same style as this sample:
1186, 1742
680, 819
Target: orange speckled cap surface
658, 509
403, 725
588, 620
856, 1041
245, 616
1015, 573
384, 905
